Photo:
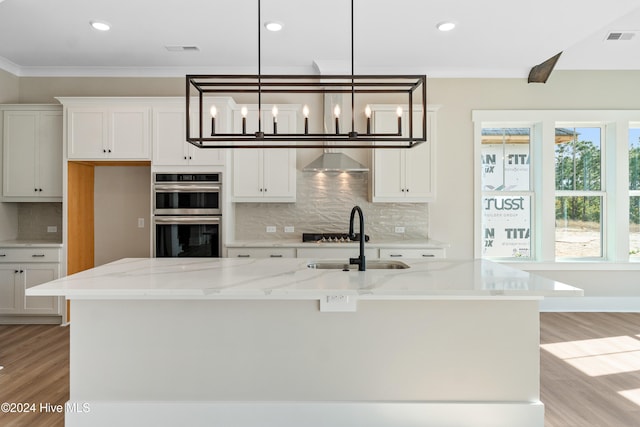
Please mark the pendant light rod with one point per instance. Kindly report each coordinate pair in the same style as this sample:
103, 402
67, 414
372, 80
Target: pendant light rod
353, 92
259, 69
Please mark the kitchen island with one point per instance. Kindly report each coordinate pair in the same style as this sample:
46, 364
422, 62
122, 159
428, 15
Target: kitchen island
271, 342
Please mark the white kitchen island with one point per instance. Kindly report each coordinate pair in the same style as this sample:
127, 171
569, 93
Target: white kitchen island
270, 342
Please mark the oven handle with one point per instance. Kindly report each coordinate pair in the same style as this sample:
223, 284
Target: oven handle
187, 219
186, 188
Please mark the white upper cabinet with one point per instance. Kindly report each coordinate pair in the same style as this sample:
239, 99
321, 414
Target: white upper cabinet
265, 174
403, 175
108, 131
169, 140
32, 153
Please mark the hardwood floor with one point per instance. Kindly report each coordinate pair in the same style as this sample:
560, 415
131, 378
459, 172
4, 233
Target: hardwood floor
35, 360
589, 363
590, 370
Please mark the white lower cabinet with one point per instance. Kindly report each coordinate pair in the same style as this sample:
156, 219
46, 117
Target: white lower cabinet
21, 269
261, 253
413, 253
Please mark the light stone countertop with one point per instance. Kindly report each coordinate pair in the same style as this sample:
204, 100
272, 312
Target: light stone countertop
30, 244
290, 278
298, 243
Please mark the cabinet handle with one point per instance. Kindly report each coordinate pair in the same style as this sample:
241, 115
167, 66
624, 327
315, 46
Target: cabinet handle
244, 256
37, 256
16, 271
3, 255
395, 255
428, 255
275, 256
19, 271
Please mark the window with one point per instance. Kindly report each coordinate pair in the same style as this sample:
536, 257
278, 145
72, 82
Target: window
506, 195
634, 192
579, 199
552, 185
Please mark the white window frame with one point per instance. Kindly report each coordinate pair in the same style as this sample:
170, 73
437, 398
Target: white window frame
615, 179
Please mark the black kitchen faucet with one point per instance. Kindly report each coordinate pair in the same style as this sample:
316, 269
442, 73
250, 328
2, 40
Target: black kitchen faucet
360, 261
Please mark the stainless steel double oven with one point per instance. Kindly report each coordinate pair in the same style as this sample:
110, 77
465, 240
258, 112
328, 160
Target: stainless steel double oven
187, 212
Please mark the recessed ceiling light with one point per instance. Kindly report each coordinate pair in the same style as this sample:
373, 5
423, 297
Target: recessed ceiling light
100, 25
446, 26
273, 26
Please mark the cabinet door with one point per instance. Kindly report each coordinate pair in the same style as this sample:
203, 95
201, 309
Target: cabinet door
169, 145
20, 139
87, 133
419, 167
49, 154
36, 274
247, 174
388, 165
278, 165
129, 133
9, 289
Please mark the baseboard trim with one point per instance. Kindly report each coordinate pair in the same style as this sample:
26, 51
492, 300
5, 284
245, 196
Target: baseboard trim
308, 414
591, 304
30, 320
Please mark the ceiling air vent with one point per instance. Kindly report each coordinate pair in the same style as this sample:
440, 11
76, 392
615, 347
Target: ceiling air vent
182, 48
620, 35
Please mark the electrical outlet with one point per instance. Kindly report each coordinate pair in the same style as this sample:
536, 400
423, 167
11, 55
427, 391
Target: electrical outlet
289, 229
338, 303
271, 229
140, 222
52, 229
399, 229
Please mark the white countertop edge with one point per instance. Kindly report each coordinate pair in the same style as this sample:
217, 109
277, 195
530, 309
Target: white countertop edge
139, 295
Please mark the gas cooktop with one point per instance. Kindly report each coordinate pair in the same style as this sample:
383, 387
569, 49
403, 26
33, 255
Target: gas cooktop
330, 238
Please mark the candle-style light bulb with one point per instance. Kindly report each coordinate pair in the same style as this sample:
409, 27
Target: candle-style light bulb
214, 112
244, 112
336, 112
274, 113
399, 113
367, 112
305, 113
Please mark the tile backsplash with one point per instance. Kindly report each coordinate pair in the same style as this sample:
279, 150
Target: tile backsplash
323, 204
34, 218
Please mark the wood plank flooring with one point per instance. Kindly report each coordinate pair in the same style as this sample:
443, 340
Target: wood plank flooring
35, 360
590, 370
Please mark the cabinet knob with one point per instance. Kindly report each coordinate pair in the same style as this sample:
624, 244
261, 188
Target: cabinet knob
109, 150
407, 190
104, 150
35, 189
16, 271
265, 190
185, 157
190, 157
261, 190
40, 189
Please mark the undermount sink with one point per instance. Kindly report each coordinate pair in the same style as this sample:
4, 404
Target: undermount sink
371, 265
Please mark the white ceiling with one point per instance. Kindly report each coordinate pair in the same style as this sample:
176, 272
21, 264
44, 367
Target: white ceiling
494, 38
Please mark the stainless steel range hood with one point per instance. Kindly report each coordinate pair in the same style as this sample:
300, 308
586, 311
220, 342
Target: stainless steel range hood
332, 160
335, 162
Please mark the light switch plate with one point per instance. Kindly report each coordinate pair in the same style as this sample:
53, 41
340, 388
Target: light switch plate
289, 229
399, 229
271, 229
52, 229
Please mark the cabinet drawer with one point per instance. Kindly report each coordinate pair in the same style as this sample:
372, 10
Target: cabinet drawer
261, 253
412, 253
29, 255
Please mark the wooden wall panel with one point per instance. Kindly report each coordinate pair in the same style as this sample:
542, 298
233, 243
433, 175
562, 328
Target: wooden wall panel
80, 231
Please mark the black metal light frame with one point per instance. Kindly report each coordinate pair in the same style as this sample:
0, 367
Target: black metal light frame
200, 86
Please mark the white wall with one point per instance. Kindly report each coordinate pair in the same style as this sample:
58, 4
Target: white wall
8, 211
122, 195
